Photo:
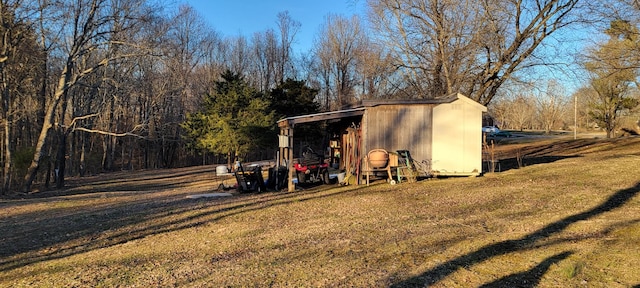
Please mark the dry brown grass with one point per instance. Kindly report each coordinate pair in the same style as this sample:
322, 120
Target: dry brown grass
569, 218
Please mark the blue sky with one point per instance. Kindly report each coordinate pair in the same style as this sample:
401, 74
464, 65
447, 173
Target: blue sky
244, 17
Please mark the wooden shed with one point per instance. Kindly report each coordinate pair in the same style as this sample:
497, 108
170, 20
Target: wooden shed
444, 132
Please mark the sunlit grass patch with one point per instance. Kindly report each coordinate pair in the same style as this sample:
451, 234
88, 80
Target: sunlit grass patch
569, 223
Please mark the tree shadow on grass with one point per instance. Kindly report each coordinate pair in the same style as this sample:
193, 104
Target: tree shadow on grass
443, 270
74, 233
150, 181
529, 278
515, 163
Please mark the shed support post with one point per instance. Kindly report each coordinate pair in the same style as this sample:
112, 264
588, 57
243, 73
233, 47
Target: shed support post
286, 155
291, 186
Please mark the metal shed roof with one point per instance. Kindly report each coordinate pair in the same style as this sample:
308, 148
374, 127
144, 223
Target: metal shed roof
359, 109
291, 121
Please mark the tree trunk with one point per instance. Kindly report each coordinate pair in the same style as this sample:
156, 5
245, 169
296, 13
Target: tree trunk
60, 157
63, 133
130, 162
83, 152
122, 156
109, 141
8, 158
61, 89
145, 157
610, 121
6, 94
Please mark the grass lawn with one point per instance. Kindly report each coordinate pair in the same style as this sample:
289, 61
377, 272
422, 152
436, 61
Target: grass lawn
569, 218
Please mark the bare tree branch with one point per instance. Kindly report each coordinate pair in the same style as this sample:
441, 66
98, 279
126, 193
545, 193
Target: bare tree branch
110, 133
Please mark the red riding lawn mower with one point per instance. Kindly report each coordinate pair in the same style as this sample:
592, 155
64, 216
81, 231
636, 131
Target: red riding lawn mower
311, 168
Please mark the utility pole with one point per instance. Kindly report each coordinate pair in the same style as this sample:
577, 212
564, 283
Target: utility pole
575, 116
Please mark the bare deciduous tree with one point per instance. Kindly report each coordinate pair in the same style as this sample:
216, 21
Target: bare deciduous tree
340, 43
468, 46
613, 67
19, 79
374, 67
288, 28
240, 55
265, 55
522, 112
90, 28
551, 104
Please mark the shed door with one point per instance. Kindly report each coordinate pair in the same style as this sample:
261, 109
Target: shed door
457, 139
447, 145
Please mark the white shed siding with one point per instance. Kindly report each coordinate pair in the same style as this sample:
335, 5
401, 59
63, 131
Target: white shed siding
472, 139
457, 138
447, 142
